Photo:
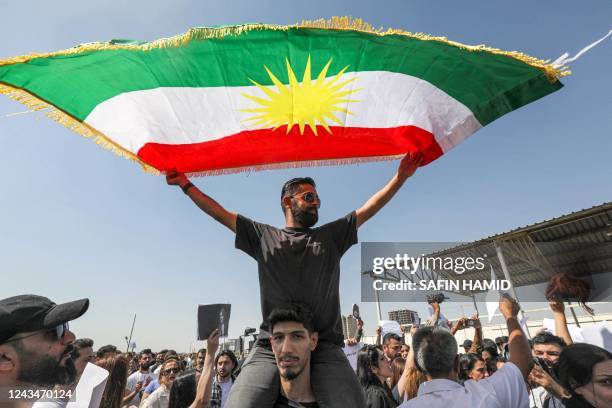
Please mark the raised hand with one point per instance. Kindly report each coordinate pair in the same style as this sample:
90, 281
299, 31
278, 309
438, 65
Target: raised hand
556, 305
409, 164
175, 178
508, 306
212, 343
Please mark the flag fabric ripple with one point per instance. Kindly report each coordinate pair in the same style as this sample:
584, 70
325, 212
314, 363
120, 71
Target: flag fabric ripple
256, 96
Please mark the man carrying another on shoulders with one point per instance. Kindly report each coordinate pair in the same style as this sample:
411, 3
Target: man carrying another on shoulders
299, 264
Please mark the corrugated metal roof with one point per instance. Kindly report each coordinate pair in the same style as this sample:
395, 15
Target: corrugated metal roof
580, 242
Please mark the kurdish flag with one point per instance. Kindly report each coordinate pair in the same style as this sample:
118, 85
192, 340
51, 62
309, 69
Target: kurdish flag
250, 97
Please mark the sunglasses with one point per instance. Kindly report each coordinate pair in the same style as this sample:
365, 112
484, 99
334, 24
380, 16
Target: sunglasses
57, 332
60, 330
309, 197
174, 370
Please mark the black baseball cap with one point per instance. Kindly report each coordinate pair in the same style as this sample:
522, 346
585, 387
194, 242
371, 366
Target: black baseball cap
27, 313
467, 344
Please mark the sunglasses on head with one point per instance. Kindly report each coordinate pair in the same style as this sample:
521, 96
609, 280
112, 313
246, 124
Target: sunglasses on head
309, 196
174, 370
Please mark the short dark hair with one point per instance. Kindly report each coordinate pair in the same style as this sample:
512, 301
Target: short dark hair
548, 338
109, 348
295, 312
291, 187
79, 344
202, 350
231, 355
143, 352
435, 350
391, 336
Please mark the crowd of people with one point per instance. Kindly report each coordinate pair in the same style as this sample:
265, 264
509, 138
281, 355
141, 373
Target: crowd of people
40, 352
298, 358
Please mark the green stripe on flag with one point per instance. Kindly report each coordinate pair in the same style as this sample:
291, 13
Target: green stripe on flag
489, 85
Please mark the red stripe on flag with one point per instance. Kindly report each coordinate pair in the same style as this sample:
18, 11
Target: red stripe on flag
266, 147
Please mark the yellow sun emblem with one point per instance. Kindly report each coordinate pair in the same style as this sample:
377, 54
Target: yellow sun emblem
310, 102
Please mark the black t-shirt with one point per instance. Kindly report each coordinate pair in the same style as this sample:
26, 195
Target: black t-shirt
283, 402
300, 265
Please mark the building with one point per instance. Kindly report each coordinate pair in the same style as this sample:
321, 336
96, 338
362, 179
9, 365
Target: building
404, 316
349, 326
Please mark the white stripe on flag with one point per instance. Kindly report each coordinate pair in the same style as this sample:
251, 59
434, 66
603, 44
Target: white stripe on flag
184, 115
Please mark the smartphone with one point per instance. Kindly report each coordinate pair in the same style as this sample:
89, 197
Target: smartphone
356, 312
470, 323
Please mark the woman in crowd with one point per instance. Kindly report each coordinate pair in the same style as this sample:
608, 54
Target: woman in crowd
397, 367
117, 367
490, 355
167, 374
412, 377
373, 370
404, 351
586, 371
472, 367
489, 350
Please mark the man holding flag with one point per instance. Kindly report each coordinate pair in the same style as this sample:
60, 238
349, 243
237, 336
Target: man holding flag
299, 264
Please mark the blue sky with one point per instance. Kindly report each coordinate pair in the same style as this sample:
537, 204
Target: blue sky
77, 221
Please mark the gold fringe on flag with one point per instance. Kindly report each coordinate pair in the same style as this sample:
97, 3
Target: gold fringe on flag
293, 165
201, 33
68, 121
334, 23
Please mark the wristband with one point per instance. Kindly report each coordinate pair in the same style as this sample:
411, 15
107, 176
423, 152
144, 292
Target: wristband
186, 187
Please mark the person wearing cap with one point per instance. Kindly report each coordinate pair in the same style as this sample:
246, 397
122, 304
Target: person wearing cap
299, 263
35, 345
467, 345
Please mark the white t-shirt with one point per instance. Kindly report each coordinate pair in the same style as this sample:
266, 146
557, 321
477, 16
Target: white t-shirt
351, 353
160, 398
225, 390
504, 389
131, 384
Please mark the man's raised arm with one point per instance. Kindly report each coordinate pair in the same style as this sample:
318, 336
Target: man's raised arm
407, 167
206, 204
520, 352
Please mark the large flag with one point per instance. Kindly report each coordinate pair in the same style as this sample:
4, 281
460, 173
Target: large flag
249, 97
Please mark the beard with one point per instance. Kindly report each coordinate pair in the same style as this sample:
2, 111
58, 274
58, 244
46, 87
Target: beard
292, 374
45, 371
146, 366
306, 218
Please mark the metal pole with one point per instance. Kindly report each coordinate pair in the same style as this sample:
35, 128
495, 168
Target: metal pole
573, 313
475, 306
131, 331
502, 261
378, 305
